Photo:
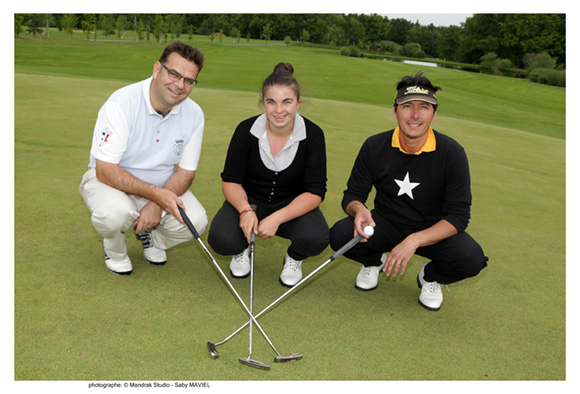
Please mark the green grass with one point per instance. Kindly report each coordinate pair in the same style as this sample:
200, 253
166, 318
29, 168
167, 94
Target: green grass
75, 321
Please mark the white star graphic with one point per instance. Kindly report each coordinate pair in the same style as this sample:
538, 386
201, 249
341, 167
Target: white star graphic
406, 186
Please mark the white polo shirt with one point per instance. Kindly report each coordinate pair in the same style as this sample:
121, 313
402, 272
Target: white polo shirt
130, 133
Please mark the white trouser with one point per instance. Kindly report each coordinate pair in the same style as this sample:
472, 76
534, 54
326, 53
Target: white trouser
113, 212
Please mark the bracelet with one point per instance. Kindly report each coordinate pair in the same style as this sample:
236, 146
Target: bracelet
248, 209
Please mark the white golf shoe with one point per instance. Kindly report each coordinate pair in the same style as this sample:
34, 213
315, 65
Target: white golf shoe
368, 277
292, 271
240, 264
151, 253
431, 296
122, 267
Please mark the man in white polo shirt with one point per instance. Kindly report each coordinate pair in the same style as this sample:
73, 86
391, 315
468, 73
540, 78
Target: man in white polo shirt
144, 155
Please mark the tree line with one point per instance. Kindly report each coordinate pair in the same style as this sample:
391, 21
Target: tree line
495, 41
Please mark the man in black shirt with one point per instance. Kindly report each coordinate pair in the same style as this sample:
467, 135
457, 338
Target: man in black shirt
422, 203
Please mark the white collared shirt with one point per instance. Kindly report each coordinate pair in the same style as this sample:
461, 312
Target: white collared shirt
286, 155
130, 133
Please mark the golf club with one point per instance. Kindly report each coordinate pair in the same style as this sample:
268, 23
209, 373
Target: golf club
249, 361
279, 357
212, 347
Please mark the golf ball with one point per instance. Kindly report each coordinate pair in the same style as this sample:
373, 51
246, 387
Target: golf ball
369, 230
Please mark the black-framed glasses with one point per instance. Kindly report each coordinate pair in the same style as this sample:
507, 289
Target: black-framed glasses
176, 77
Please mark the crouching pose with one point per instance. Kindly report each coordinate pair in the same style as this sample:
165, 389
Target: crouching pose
422, 203
277, 162
144, 155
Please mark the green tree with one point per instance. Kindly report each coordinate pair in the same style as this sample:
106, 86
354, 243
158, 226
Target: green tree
89, 24
376, 30
68, 23
34, 25
106, 24
267, 32
120, 25
447, 40
158, 27
426, 36
305, 36
511, 36
399, 28
236, 34
19, 20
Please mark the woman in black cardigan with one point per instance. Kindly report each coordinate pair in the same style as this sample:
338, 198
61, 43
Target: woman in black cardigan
276, 161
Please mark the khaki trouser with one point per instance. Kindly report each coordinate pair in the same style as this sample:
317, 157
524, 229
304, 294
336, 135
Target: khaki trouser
113, 213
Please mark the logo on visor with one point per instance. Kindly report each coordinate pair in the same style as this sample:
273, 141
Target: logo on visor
416, 90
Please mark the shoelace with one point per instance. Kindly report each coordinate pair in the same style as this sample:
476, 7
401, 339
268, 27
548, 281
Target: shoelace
433, 287
146, 239
292, 264
366, 271
240, 258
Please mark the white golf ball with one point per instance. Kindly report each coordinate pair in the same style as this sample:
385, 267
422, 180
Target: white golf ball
369, 230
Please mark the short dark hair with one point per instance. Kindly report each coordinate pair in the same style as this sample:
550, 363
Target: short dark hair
281, 76
417, 80
188, 52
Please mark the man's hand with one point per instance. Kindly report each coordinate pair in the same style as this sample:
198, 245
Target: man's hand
166, 199
169, 202
362, 218
397, 260
150, 216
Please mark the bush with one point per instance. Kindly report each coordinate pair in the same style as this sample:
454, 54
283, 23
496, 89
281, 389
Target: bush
502, 66
538, 60
487, 62
351, 51
548, 76
413, 49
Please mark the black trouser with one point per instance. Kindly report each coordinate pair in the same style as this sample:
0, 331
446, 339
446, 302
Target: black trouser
452, 259
309, 234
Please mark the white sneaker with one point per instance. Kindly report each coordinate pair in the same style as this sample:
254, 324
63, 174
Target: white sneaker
368, 277
122, 267
292, 271
151, 253
240, 264
431, 296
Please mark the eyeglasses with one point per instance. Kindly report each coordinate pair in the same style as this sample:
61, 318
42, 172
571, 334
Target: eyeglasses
176, 77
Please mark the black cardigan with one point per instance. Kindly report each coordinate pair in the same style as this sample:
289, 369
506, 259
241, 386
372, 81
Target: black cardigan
307, 173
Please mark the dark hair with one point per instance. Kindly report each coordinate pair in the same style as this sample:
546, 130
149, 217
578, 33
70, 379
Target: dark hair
186, 51
417, 80
281, 76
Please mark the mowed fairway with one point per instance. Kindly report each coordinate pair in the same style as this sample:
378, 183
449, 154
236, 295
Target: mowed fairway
73, 320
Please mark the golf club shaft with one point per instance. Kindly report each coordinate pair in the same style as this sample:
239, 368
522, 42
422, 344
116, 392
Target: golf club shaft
196, 235
336, 255
252, 250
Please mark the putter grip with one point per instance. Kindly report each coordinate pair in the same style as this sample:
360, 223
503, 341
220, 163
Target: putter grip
252, 234
346, 247
188, 223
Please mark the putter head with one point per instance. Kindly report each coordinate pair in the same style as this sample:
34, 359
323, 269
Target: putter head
212, 350
288, 358
254, 364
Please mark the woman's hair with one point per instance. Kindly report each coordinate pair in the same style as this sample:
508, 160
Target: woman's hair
281, 76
